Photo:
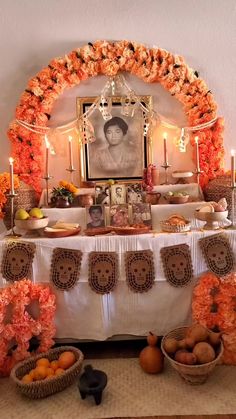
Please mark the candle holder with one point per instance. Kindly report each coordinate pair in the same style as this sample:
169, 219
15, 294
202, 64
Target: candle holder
71, 169
47, 177
198, 172
166, 166
12, 234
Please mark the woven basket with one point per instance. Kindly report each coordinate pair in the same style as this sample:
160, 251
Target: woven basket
219, 188
44, 388
192, 374
169, 228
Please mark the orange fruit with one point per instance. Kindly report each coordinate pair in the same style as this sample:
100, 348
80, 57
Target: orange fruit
40, 373
59, 371
50, 372
43, 362
54, 365
31, 374
27, 379
66, 359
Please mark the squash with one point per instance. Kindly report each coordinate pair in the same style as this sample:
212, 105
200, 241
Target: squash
198, 332
151, 358
204, 352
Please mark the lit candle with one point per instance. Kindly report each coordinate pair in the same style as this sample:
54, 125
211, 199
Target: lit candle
47, 153
11, 160
233, 168
70, 152
197, 154
165, 149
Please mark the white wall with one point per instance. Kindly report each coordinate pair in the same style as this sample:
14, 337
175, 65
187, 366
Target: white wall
32, 32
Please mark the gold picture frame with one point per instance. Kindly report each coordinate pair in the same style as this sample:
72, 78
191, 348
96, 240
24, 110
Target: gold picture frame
96, 160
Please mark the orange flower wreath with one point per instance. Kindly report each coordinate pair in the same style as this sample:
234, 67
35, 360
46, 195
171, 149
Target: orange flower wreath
108, 58
214, 306
22, 326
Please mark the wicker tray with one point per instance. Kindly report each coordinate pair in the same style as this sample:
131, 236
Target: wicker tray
192, 374
169, 228
44, 388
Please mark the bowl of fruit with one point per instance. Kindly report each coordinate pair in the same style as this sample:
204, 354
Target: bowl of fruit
49, 372
214, 214
177, 197
31, 220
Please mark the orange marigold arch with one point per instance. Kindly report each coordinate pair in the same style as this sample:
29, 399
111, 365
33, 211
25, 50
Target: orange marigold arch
152, 65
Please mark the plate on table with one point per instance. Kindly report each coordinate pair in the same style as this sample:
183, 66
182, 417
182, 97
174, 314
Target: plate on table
48, 232
129, 230
97, 231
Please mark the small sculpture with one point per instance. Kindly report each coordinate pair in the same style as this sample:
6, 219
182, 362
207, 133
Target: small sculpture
92, 383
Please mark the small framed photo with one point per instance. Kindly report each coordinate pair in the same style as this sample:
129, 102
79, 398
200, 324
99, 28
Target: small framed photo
134, 193
119, 215
95, 216
102, 194
141, 214
118, 194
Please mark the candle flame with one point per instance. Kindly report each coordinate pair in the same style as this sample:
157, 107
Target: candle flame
232, 152
196, 139
70, 138
165, 135
11, 160
47, 144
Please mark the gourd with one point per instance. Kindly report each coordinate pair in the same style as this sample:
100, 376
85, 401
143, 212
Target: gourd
151, 358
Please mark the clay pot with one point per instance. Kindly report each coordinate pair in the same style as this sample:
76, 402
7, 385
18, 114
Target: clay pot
152, 198
61, 202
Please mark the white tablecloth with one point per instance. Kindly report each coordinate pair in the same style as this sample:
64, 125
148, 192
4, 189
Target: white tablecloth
83, 314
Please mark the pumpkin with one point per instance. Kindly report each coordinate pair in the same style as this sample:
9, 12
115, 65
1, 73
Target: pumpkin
151, 358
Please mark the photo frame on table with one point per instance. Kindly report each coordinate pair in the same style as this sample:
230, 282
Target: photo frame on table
141, 214
119, 215
118, 194
95, 216
135, 193
102, 194
99, 160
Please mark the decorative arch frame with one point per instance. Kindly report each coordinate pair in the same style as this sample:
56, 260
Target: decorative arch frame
152, 65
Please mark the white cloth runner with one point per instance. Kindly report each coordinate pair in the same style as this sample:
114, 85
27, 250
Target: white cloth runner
83, 314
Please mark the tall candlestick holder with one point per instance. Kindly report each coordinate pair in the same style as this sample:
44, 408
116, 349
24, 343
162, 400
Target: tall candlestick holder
198, 172
12, 234
47, 177
71, 169
166, 166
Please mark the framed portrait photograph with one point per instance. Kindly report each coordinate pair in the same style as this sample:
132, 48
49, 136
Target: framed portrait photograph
119, 215
118, 194
102, 194
95, 216
121, 150
135, 193
141, 214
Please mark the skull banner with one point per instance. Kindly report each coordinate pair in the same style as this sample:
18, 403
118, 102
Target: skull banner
177, 264
139, 268
65, 268
17, 260
103, 271
218, 254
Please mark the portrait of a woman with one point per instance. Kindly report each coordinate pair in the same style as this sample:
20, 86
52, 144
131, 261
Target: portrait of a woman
118, 155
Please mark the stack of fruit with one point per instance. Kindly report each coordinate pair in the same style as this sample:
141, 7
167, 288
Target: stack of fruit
45, 369
32, 220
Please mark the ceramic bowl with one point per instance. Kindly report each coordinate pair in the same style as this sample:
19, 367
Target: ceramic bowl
32, 223
212, 219
178, 199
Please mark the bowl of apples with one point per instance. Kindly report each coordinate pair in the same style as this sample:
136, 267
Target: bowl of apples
30, 221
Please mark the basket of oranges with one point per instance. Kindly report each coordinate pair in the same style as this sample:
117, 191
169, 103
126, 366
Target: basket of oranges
49, 372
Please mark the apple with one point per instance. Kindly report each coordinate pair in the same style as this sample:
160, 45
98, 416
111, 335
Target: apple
21, 214
219, 208
36, 213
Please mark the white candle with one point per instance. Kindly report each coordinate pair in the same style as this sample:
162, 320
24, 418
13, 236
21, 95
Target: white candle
47, 153
70, 152
233, 168
197, 154
165, 149
11, 160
